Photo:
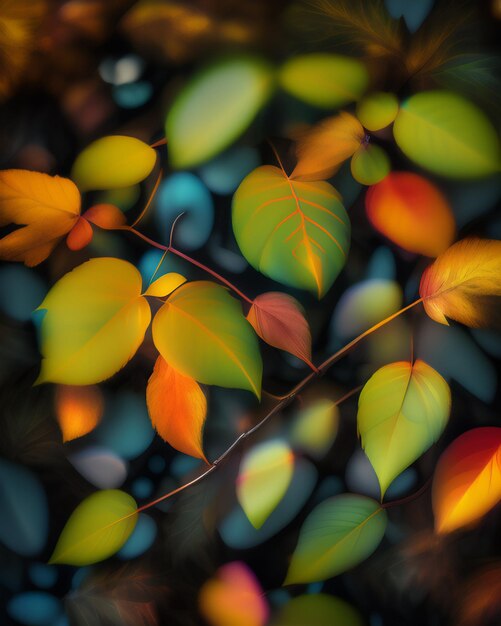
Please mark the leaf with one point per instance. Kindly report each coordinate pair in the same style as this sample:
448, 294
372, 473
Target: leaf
370, 164
323, 148
377, 110
177, 408
447, 135
97, 528
463, 284
315, 427
319, 609
294, 232
106, 216
165, 285
467, 480
264, 476
402, 410
215, 108
78, 410
201, 332
47, 207
279, 320
412, 212
324, 80
337, 535
113, 162
94, 323
233, 598
80, 235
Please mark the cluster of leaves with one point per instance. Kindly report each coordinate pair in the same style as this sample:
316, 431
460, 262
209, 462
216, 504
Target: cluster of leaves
295, 230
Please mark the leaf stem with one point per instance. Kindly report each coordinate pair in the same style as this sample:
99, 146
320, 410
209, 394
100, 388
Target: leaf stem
409, 498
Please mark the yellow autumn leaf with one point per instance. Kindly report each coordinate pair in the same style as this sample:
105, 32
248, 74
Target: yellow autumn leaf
165, 285
94, 323
46, 207
463, 284
323, 148
177, 408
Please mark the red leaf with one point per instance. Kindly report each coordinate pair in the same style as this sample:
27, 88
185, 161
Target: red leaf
279, 320
80, 235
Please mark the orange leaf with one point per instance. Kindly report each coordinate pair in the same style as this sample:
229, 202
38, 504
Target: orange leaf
467, 481
279, 320
463, 284
412, 213
322, 150
78, 409
80, 235
47, 207
106, 216
177, 407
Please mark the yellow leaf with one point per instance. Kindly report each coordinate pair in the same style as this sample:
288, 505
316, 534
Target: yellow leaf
78, 409
323, 148
165, 285
47, 207
94, 323
463, 284
177, 408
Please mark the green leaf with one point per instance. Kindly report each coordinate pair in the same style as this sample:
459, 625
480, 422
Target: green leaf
112, 163
315, 427
97, 528
370, 164
295, 232
202, 333
337, 535
377, 110
403, 409
324, 80
447, 135
318, 609
215, 108
264, 476
94, 323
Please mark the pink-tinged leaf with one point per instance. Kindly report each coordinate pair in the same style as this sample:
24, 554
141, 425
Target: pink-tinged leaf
106, 216
80, 235
233, 598
279, 320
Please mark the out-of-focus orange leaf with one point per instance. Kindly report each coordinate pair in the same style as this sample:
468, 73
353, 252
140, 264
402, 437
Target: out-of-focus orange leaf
106, 216
233, 598
463, 284
479, 599
467, 481
177, 407
322, 150
411, 212
47, 207
279, 320
78, 409
80, 235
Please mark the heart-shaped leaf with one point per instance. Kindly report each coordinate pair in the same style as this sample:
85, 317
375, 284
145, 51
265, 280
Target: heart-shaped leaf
95, 321
177, 408
467, 480
202, 333
97, 528
294, 232
46, 208
463, 284
403, 409
338, 534
370, 164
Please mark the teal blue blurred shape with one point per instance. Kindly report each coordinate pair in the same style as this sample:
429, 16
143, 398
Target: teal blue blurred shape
382, 264
414, 12
21, 291
142, 538
142, 488
132, 95
43, 575
224, 174
35, 608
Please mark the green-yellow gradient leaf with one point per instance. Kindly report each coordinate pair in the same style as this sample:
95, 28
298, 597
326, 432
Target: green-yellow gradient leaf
295, 232
112, 163
97, 528
337, 535
370, 164
317, 609
324, 80
377, 110
447, 135
202, 332
215, 108
264, 476
403, 409
94, 323
315, 427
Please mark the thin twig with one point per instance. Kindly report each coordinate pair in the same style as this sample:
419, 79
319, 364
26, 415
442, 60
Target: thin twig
409, 498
